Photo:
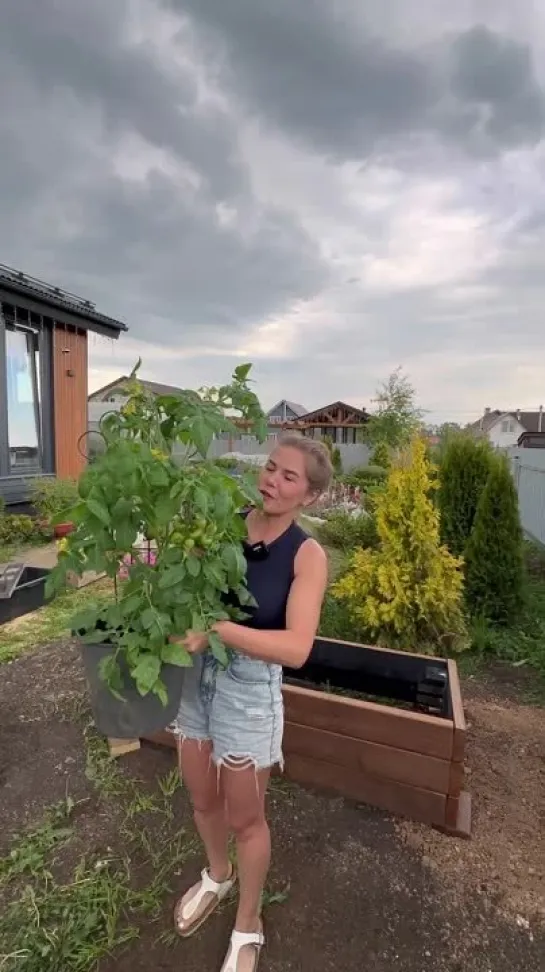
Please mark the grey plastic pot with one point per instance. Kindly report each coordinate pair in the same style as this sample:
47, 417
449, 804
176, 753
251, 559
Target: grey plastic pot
136, 715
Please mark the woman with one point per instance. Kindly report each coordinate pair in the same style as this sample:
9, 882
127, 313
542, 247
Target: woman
230, 722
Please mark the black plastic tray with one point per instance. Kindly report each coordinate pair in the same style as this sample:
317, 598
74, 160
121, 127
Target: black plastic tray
358, 668
29, 594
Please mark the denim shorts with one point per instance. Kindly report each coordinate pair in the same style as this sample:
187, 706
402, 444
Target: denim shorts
239, 709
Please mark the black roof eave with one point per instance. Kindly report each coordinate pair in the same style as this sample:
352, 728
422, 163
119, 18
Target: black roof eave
84, 318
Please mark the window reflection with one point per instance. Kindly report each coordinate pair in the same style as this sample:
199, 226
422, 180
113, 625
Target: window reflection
24, 403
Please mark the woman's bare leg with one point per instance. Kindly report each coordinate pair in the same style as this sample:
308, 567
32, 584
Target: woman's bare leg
245, 792
199, 774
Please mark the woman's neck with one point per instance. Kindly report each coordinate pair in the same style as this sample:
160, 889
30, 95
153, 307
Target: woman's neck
265, 528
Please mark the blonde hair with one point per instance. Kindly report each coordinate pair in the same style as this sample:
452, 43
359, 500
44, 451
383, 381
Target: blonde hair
317, 459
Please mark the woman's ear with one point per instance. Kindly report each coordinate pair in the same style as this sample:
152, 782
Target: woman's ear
311, 498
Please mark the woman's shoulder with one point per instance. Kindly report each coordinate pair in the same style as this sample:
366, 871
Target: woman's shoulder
310, 553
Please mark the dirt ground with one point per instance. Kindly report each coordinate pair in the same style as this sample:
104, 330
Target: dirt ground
351, 887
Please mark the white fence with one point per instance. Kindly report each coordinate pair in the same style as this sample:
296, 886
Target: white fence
529, 474
352, 456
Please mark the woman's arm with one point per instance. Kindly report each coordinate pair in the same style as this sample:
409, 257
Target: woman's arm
292, 646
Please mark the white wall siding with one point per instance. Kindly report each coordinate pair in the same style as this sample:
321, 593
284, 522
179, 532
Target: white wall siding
505, 433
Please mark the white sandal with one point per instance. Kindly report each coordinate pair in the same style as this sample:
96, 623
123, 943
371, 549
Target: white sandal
185, 912
240, 940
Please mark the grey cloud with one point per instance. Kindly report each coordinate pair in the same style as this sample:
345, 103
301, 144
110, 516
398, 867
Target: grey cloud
148, 250
175, 262
63, 45
320, 72
494, 79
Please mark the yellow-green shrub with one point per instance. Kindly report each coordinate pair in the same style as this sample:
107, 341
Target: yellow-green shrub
409, 593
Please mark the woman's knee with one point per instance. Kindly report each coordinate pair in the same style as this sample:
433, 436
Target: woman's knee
199, 775
244, 790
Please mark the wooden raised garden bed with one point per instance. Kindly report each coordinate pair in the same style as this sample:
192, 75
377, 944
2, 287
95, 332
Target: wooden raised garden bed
22, 590
381, 727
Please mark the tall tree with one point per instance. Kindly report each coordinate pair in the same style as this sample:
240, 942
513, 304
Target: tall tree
397, 418
408, 593
494, 552
465, 465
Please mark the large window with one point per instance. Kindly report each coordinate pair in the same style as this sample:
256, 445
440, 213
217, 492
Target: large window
26, 398
23, 400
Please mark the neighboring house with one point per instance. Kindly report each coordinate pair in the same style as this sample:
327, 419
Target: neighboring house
43, 380
339, 422
285, 411
504, 429
532, 440
115, 390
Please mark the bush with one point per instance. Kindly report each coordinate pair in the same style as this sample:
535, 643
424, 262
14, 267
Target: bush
347, 532
336, 461
52, 497
495, 553
381, 455
366, 477
18, 529
337, 622
409, 592
464, 468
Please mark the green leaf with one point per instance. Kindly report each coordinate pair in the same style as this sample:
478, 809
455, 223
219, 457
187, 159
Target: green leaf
193, 565
125, 535
99, 510
172, 576
218, 648
110, 672
184, 597
149, 618
215, 574
146, 672
175, 654
241, 372
201, 500
202, 435
160, 690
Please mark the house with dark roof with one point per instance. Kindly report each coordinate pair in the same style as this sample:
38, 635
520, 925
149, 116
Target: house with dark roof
43, 380
505, 429
115, 390
338, 422
285, 411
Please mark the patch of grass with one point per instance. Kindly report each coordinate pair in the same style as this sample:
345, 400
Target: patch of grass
50, 623
70, 923
522, 643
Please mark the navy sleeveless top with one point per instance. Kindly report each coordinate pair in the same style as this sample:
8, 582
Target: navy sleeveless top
269, 580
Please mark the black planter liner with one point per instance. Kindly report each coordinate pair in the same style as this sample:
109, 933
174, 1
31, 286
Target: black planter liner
420, 682
134, 716
29, 595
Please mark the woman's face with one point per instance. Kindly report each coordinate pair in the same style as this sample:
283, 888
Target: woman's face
283, 481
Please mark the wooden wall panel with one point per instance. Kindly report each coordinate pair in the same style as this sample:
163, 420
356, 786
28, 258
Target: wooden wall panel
70, 399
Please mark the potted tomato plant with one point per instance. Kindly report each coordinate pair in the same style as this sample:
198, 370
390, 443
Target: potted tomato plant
153, 479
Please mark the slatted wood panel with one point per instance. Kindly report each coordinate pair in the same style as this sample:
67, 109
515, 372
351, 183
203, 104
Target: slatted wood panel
386, 725
407, 801
70, 400
364, 757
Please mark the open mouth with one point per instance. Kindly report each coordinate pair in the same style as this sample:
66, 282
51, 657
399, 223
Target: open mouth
266, 495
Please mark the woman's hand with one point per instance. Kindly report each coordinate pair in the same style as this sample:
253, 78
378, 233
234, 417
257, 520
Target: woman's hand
194, 642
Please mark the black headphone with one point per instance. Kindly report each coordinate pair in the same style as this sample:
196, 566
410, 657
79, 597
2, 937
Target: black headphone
256, 551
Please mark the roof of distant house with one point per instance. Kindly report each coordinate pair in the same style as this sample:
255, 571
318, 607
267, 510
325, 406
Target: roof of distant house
530, 421
21, 289
358, 412
155, 387
293, 406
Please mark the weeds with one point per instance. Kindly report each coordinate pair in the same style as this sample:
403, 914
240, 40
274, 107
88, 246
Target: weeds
60, 917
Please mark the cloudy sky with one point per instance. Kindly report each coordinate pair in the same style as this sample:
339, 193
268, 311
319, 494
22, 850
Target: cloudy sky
328, 188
